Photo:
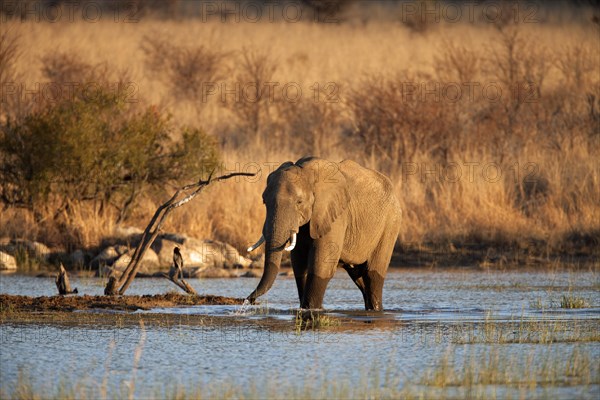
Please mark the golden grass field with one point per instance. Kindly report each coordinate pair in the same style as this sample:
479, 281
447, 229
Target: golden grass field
518, 171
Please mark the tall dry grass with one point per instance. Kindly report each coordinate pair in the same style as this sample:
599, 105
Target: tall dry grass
516, 169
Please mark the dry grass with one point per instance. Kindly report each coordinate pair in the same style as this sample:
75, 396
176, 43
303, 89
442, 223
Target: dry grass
473, 373
494, 367
545, 149
526, 331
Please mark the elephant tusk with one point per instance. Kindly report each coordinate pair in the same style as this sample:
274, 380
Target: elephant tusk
257, 244
293, 244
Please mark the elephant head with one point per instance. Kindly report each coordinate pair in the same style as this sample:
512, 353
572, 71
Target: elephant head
310, 191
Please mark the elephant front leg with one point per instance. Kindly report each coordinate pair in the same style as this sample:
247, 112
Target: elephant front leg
314, 292
323, 262
300, 267
299, 257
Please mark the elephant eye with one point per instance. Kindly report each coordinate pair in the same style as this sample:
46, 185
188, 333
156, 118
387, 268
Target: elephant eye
299, 201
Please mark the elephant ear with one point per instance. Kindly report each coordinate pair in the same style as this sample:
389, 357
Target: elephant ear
331, 200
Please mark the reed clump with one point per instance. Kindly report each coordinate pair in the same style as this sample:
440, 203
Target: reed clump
572, 301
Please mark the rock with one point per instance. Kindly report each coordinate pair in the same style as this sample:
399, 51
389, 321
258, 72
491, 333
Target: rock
39, 250
149, 261
34, 249
234, 259
252, 273
122, 262
106, 257
202, 258
259, 262
128, 231
77, 258
209, 272
121, 249
129, 235
7, 262
212, 253
174, 237
164, 249
199, 253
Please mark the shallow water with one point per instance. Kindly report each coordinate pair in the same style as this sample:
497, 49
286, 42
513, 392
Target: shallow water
428, 316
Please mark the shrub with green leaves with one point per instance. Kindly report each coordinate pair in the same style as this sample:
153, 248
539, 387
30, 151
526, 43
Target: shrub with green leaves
101, 149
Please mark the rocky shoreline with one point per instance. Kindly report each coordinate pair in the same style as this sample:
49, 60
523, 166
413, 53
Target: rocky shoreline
206, 258
203, 258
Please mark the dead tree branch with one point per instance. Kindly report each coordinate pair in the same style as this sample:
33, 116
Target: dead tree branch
183, 285
153, 229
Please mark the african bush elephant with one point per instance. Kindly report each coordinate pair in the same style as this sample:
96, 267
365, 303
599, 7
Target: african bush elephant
331, 214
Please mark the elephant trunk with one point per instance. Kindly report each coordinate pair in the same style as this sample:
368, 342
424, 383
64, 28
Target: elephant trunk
272, 262
276, 236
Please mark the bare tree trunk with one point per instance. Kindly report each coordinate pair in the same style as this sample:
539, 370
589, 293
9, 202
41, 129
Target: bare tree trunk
118, 286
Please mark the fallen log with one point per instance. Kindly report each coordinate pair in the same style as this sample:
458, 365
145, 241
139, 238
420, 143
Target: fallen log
183, 285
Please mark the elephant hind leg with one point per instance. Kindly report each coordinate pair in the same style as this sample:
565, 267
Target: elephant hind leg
377, 267
373, 291
358, 274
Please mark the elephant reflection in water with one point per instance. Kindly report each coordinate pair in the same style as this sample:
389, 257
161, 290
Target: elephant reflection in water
329, 214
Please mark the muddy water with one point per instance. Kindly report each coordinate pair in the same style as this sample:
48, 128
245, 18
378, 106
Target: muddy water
429, 315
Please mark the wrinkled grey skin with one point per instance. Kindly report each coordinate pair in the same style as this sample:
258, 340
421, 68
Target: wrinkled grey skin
344, 215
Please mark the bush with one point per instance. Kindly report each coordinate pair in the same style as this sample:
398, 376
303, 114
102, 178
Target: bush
184, 69
254, 72
104, 150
